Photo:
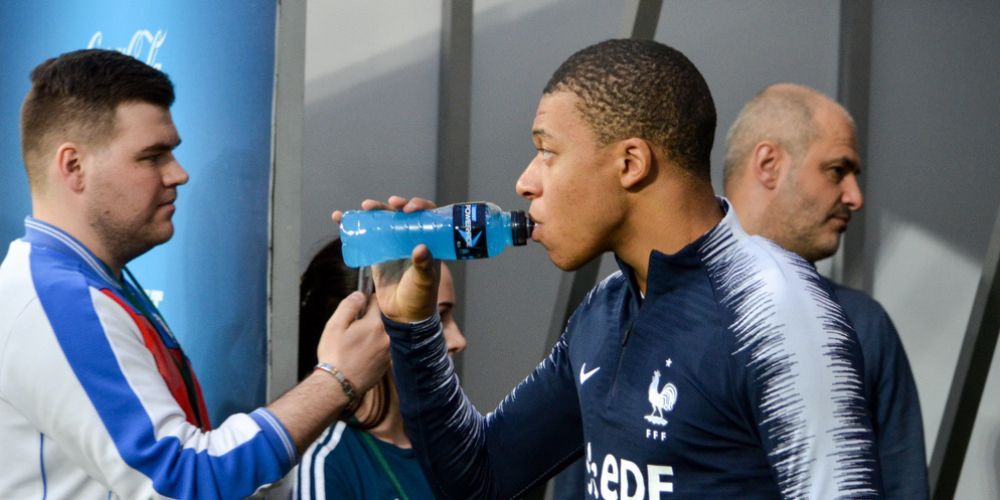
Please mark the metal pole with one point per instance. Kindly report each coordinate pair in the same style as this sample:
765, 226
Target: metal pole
970, 377
640, 19
853, 89
454, 103
286, 198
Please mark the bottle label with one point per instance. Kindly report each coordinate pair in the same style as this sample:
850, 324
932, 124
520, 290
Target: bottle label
469, 223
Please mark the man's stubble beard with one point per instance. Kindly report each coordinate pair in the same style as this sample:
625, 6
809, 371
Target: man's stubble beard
123, 241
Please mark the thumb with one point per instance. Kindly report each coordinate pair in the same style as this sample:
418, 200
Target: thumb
423, 266
415, 298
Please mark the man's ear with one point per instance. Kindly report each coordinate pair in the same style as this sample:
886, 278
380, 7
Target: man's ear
636, 161
69, 166
767, 164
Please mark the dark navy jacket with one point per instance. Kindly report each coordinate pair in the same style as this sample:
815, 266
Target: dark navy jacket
892, 393
736, 375
892, 397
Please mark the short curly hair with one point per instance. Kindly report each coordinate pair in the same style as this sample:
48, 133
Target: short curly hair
645, 89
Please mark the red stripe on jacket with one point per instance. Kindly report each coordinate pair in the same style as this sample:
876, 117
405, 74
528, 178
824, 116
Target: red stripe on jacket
168, 363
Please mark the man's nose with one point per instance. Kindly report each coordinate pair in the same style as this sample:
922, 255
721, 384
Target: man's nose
527, 184
852, 196
176, 175
456, 341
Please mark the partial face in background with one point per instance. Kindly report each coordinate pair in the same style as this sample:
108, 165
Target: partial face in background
817, 195
453, 338
572, 184
132, 182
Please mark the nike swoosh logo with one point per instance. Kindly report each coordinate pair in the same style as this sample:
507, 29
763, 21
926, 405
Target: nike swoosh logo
584, 374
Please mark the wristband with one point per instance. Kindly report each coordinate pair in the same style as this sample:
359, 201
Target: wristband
345, 384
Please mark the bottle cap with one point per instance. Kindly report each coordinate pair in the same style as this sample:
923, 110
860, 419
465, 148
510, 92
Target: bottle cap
521, 227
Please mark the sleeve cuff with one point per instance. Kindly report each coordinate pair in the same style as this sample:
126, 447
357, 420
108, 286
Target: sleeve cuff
412, 332
277, 435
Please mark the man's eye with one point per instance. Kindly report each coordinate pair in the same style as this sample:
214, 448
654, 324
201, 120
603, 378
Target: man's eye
444, 310
837, 172
546, 154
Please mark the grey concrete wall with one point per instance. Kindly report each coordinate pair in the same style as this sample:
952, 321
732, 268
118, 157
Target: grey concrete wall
933, 187
370, 107
932, 183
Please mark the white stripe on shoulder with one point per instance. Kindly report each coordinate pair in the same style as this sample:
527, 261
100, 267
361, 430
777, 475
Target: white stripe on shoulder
797, 341
615, 276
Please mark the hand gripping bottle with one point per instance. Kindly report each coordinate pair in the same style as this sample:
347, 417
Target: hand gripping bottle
461, 231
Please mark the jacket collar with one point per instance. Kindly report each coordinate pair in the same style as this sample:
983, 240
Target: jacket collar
42, 233
665, 271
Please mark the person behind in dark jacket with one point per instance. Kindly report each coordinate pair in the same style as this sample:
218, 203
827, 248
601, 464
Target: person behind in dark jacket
791, 173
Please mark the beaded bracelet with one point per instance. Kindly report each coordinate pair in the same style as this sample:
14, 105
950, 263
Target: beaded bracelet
352, 398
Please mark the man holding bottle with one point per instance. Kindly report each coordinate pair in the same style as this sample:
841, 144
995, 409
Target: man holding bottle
713, 364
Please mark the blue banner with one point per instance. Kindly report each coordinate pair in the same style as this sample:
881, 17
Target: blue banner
209, 281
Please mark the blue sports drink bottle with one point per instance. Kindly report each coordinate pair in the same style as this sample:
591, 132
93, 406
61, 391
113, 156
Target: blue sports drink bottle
470, 230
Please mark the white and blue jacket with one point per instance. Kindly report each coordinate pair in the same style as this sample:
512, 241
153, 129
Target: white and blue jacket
96, 398
736, 376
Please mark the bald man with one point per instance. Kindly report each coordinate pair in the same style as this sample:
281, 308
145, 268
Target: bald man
791, 173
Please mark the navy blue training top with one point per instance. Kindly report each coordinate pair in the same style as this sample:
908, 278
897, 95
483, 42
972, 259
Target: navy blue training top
892, 397
736, 375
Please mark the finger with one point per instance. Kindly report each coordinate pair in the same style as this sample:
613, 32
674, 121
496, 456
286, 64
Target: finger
419, 204
347, 311
371, 204
337, 216
397, 202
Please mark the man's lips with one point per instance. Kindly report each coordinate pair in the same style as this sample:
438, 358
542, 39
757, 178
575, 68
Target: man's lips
537, 227
841, 213
841, 219
169, 205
